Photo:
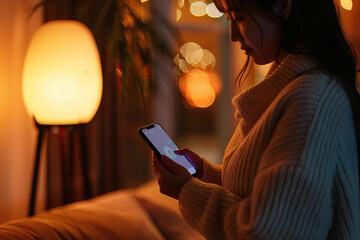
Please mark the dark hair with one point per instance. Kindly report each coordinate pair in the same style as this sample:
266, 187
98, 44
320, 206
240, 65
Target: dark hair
314, 27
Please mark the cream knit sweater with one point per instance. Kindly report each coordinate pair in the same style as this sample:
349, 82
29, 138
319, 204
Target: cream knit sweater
290, 170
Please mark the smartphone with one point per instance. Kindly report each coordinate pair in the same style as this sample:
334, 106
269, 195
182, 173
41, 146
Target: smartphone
160, 142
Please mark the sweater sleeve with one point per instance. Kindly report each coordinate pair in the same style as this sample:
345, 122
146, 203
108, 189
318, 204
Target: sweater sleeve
212, 173
291, 194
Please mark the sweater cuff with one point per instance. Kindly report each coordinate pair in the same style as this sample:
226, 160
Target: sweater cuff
193, 200
212, 173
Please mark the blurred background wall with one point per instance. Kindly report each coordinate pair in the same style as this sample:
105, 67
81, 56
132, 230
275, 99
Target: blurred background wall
17, 130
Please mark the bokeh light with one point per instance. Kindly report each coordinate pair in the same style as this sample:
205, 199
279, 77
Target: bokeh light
198, 83
198, 9
181, 3
215, 82
188, 49
208, 59
200, 95
346, 4
178, 14
183, 66
193, 1
196, 56
212, 11
199, 87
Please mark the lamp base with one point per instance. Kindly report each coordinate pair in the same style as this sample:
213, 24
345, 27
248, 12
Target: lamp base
41, 134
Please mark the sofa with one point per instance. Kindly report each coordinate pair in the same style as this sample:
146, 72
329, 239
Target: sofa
139, 213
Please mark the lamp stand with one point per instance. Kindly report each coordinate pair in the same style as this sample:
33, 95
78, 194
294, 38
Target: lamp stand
66, 187
41, 134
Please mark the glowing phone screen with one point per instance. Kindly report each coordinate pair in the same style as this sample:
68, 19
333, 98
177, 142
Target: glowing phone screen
166, 146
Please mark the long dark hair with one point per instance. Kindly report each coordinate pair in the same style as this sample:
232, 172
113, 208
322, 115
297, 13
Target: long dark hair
315, 27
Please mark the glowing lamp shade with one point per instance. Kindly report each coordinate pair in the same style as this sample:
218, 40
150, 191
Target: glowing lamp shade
346, 4
62, 77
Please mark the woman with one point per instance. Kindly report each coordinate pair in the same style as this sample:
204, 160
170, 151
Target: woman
291, 169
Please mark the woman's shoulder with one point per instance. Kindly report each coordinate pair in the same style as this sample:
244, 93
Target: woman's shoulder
316, 89
314, 84
309, 81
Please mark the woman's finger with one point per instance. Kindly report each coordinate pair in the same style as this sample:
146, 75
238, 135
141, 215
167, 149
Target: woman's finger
171, 176
193, 158
157, 164
187, 153
171, 165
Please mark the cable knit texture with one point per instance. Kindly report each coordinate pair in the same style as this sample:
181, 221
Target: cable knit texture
290, 171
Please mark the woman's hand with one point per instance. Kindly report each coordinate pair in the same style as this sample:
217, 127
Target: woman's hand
170, 175
194, 159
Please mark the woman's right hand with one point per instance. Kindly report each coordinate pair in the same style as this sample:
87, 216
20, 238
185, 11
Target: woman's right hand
194, 159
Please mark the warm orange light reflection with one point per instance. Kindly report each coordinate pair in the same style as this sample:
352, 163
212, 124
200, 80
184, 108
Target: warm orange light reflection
200, 87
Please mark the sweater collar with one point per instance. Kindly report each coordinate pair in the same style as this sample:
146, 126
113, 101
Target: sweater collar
251, 103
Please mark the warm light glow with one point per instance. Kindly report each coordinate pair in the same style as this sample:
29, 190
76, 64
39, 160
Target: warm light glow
200, 87
62, 77
195, 57
208, 59
212, 11
200, 95
193, 1
346, 4
215, 82
144, 1
260, 72
198, 9
181, 3
178, 14
183, 66
188, 49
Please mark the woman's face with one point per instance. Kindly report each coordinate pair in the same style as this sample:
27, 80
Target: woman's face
258, 33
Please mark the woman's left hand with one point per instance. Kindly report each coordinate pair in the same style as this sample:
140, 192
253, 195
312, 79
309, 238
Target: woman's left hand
170, 175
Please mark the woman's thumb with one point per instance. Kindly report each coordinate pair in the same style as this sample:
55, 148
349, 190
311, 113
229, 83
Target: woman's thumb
170, 164
194, 159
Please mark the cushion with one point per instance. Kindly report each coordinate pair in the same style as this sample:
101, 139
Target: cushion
112, 216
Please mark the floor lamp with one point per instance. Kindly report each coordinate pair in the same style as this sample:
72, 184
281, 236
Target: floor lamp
62, 81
